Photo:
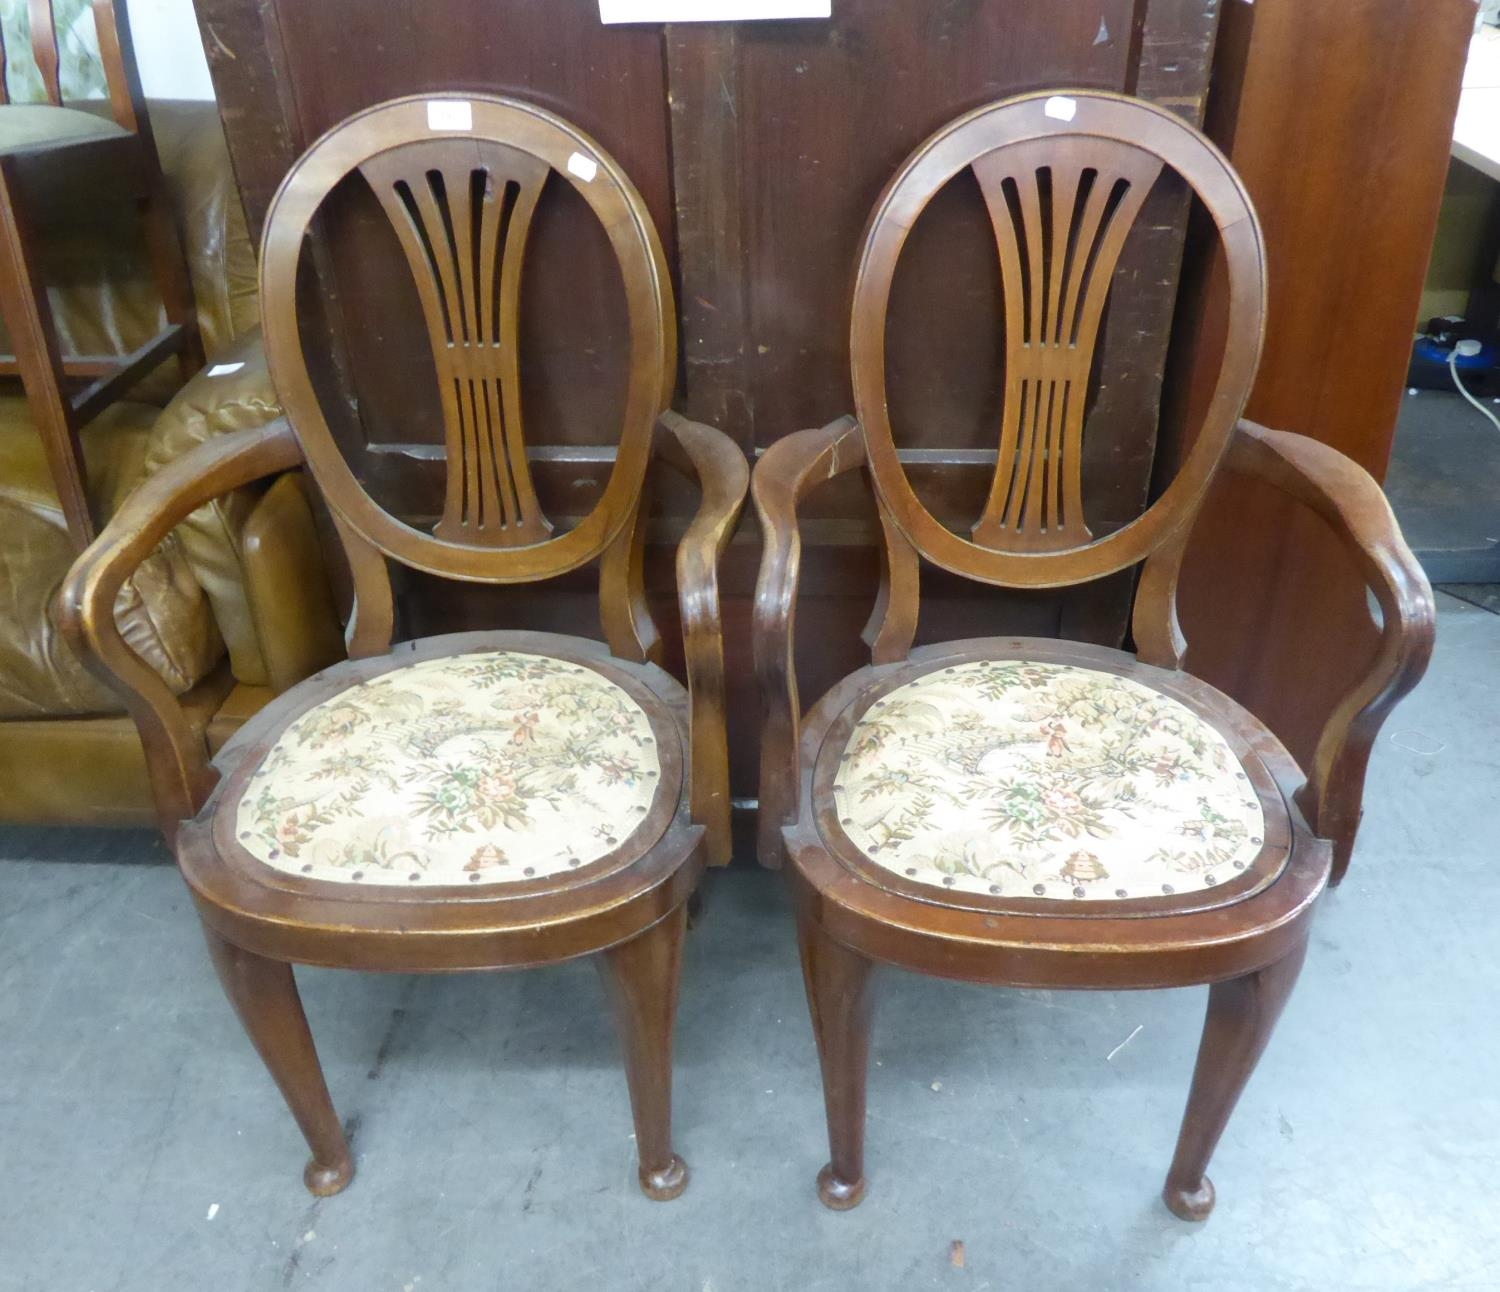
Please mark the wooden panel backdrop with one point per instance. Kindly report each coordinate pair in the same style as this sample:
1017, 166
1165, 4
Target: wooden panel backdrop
1339, 118
760, 149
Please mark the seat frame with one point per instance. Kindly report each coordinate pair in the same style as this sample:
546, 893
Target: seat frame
850, 916
628, 909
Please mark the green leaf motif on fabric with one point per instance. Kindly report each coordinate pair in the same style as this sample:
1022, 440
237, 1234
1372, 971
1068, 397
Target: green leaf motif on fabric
1045, 780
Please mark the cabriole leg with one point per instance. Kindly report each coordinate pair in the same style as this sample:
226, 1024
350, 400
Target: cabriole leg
1241, 1015
641, 977
264, 995
839, 997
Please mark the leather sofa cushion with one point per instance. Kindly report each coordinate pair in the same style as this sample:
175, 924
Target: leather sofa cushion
211, 537
163, 613
104, 299
220, 253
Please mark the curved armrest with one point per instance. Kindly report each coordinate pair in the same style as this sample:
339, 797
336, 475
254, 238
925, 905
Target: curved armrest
788, 470
1345, 496
723, 476
176, 758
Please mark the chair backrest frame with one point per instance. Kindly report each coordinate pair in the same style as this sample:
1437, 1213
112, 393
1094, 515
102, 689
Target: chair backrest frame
1101, 154
464, 239
116, 55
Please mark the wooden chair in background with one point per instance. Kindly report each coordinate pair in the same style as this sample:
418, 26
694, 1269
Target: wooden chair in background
47, 152
479, 800
1040, 813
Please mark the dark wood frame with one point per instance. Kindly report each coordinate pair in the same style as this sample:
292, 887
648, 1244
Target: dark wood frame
760, 147
1246, 939
629, 907
33, 181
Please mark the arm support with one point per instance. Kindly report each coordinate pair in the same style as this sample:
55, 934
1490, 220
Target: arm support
1349, 500
790, 468
181, 778
723, 476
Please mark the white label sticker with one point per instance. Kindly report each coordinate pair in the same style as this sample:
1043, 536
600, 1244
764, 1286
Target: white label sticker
450, 114
584, 167
1061, 107
224, 369
709, 10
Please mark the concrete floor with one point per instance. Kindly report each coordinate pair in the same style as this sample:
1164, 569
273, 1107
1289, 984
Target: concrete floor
1443, 482
142, 1146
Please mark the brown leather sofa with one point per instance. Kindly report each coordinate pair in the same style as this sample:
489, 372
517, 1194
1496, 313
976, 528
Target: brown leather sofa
235, 606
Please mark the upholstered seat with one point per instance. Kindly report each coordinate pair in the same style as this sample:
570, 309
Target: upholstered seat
1020, 778
480, 768
25, 125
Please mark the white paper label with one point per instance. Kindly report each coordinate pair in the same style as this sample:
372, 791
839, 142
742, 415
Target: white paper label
709, 10
450, 114
1061, 107
224, 369
584, 167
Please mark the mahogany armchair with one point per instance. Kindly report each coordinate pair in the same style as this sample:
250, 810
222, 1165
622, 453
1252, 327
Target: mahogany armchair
479, 800
1040, 813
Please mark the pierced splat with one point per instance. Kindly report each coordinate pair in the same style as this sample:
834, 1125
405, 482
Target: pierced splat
462, 210
1061, 213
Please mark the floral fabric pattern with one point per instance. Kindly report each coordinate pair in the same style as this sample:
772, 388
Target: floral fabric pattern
1034, 780
485, 768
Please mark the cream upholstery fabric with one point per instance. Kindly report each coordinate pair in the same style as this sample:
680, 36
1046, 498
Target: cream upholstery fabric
482, 768
1044, 780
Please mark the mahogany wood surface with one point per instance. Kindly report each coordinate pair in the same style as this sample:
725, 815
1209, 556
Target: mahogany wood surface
458, 184
1246, 936
1339, 121
758, 149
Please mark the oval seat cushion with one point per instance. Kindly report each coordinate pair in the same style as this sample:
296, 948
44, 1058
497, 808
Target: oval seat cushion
1040, 780
481, 768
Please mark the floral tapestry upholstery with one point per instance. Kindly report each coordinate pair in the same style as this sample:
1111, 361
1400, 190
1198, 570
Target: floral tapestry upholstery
483, 768
1045, 781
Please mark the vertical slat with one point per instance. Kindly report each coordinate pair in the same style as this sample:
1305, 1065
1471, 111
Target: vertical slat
1054, 306
1006, 240
1026, 456
1111, 242
498, 195
117, 53
44, 47
529, 517
1028, 187
495, 199
467, 266
471, 515
1087, 236
1034, 518
442, 254
488, 394
1065, 180
1066, 503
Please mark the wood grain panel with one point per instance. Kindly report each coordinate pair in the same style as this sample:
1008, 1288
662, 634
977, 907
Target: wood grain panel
1363, 94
